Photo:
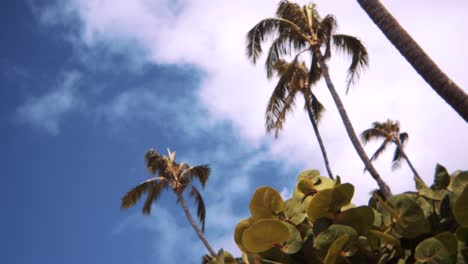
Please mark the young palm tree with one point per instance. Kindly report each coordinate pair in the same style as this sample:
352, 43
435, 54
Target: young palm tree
389, 131
415, 55
176, 176
294, 79
298, 30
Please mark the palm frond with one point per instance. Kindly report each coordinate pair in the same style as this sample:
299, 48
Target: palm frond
276, 118
258, 34
154, 194
132, 196
359, 58
380, 150
317, 107
397, 159
280, 47
201, 172
371, 134
292, 12
404, 138
327, 28
155, 162
315, 72
201, 211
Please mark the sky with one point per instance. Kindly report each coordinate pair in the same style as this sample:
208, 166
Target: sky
89, 86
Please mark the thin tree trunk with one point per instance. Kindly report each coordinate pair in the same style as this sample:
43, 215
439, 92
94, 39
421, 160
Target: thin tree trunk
416, 174
415, 55
319, 138
349, 127
194, 225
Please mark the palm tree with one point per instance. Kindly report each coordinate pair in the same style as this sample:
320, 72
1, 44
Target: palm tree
389, 131
294, 79
415, 55
299, 30
177, 176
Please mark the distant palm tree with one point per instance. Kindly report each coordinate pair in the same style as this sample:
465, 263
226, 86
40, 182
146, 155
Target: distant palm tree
297, 30
415, 55
177, 176
389, 131
294, 79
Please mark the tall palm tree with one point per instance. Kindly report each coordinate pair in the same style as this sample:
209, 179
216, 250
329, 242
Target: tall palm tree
415, 55
389, 131
178, 177
298, 30
294, 79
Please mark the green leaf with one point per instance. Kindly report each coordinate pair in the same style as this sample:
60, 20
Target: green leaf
462, 234
412, 221
449, 240
266, 203
360, 218
328, 202
335, 249
432, 251
239, 231
325, 239
460, 210
294, 244
295, 209
264, 234
441, 178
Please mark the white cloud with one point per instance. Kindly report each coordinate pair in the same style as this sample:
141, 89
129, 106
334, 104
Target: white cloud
47, 110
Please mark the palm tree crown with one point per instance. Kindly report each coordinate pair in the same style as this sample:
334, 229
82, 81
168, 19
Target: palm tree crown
297, 30
389, 131
178, 177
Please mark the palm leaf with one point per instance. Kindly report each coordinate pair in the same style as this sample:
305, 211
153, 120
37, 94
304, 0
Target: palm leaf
404, 138
201, 211
371, 134
257, 35
315, 72
201, 172
294, 13
275, 119
132, 196
380, 150
155, 162
359, 58
153, 195
317, 107
327, 28
397, 158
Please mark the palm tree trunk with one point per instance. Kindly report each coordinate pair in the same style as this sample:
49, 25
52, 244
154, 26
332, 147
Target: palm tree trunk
349, 127
415, 55
194, 225
400, 147
319, 138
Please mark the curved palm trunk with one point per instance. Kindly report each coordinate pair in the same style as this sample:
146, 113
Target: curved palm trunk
400, 147
319, 138
415, 55
349, 127
194, 225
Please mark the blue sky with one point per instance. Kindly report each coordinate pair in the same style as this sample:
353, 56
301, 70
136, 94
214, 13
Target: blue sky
89, 86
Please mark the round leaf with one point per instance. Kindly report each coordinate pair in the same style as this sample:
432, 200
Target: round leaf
239, 231
432, 251
460, 209
294, 244
264, 234
411, 221
360, 218
266, 203
335, 248
324, 240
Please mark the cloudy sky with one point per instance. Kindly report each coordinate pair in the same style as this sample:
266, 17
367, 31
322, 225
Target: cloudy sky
88, 86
